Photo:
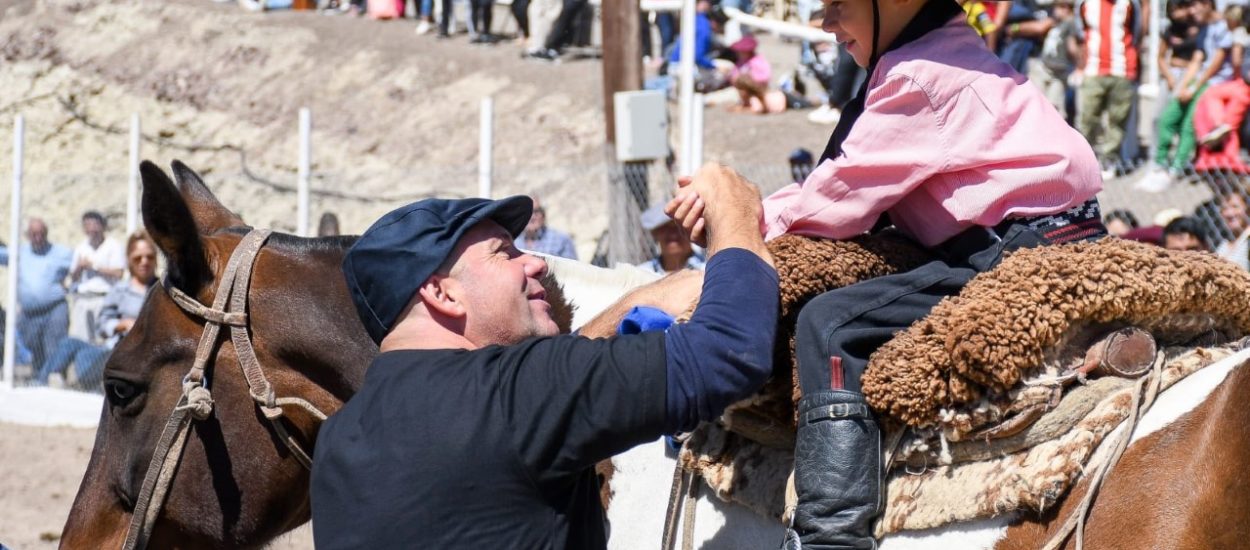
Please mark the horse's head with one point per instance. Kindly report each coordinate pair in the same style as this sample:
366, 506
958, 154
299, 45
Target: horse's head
237, 484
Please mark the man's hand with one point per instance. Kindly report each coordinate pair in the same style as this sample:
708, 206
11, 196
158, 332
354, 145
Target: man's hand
731, 211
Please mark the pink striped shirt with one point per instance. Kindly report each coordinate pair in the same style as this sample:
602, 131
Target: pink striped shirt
950, 137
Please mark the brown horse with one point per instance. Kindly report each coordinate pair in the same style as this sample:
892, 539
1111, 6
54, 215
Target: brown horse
237, 484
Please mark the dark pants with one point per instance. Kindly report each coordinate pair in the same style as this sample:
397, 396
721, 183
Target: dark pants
848, 324
444, 20
520, 10
87, 359
845, 79
481, 12
561, 34
42, 330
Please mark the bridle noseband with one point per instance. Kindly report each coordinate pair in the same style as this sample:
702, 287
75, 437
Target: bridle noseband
230, 309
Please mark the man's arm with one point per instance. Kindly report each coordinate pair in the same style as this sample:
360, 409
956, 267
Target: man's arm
673, 294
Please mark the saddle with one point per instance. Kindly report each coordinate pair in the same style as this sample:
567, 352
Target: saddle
998, 399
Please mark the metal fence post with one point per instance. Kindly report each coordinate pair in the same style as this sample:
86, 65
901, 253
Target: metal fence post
132, 196
15, 246
686, 155
305, 167
486, 143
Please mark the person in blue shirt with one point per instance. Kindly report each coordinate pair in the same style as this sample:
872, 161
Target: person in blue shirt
43, 318
537, 237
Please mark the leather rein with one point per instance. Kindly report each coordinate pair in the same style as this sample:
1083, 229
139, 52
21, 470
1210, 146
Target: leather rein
196, 403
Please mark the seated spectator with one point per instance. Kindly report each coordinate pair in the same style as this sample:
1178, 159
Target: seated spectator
750, 76
1233, 213
121, 308
1119, 222
1184, 233
675, 250
1202, 34
98, 263
1222, 109
1153, 233
538, 237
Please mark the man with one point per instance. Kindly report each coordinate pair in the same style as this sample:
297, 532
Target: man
1109, 34
43, 319
478, 426
1184, 233
540, 238
675, 251
99, 262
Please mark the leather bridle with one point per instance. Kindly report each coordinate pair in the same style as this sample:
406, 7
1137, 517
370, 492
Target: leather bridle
229, 308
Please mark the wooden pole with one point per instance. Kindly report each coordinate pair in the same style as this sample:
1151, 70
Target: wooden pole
622, 71
622, 55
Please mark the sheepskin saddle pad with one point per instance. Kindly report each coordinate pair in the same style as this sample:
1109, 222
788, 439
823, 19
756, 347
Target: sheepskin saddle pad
994, 483
1012, 350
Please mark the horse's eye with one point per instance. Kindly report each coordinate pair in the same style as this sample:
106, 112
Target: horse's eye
120, 392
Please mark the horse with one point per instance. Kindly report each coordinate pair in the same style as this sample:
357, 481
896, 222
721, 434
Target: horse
238, 484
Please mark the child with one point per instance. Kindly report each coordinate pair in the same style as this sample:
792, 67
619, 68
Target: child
966, 157
750, 75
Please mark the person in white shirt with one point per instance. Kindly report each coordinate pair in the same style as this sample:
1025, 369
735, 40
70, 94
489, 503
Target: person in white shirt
1233, 212
98, 264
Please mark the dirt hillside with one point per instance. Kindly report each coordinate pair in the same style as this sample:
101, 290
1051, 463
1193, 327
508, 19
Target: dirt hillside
395, 114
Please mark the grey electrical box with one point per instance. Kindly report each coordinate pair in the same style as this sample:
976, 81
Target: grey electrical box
641, 125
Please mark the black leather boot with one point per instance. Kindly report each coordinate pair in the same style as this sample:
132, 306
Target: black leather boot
837, 474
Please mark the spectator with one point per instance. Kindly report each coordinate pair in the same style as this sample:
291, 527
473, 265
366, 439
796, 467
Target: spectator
538, 237
43, 317
675, 250
480, 16
750, 76
520, 11
705, 23
1180, 62
1213, 40
1107, 71
425, 16
1222, 109
328, 225
1021, 36
1119, 222
1233, 214
562, 30
1059, 51
121, 308
1183, 233
979, 18
99, 262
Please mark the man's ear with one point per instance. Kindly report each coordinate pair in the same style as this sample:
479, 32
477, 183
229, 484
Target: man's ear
441, 295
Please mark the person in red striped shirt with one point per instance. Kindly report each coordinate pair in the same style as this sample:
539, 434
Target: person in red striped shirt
1109, 35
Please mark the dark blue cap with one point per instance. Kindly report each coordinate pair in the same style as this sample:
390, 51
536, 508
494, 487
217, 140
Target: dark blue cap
402, 249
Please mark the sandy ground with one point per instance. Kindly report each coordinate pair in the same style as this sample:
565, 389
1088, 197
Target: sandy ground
42, 469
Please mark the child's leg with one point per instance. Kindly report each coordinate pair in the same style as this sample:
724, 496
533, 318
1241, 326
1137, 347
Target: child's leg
836, 332
1209, 110
1189, 140
1238, 102
1169, 126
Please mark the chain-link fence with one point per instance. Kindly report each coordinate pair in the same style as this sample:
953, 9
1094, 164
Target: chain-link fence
62, 340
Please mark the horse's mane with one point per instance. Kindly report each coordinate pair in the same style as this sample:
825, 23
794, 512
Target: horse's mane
337, 243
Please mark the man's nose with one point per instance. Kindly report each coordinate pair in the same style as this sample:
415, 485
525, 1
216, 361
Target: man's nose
535, 267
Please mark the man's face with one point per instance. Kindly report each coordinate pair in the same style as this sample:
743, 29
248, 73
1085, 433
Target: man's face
1233, 210
93, 228
671, 241
537, 220
500, 288
37, 232
1183, 241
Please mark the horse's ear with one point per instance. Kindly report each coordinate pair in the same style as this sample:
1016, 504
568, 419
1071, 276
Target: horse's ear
210, 215
170, 223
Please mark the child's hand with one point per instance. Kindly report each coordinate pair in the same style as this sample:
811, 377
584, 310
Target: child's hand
686, 209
